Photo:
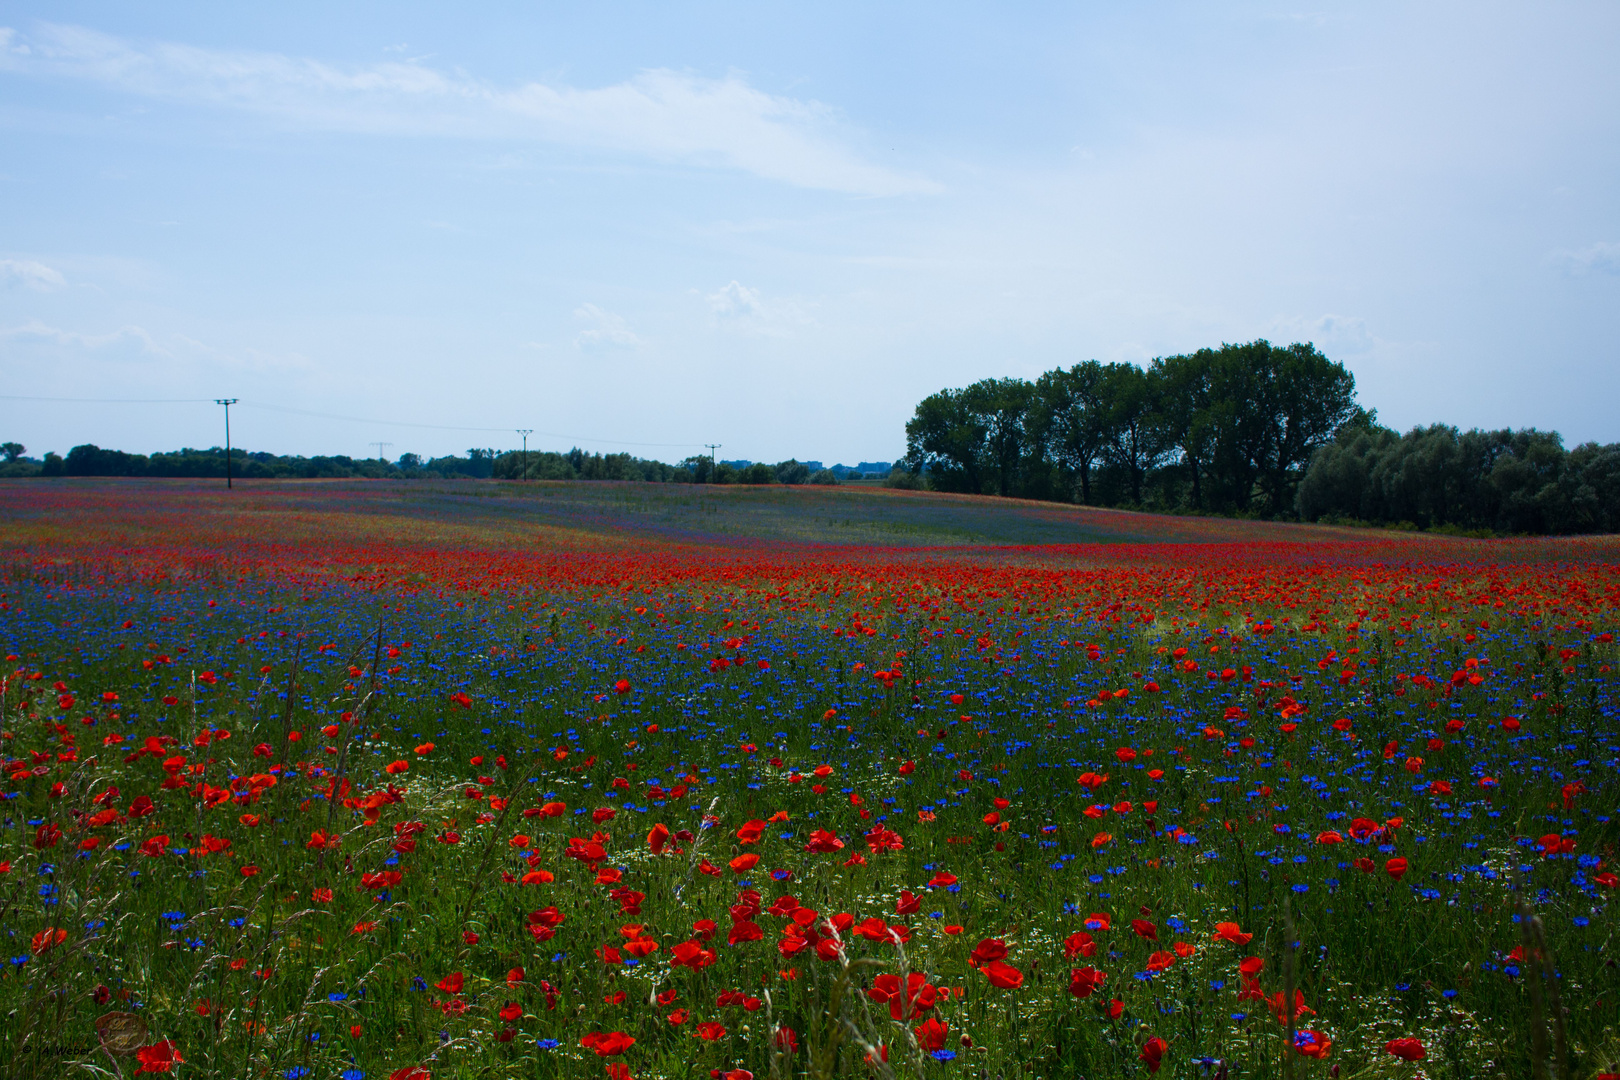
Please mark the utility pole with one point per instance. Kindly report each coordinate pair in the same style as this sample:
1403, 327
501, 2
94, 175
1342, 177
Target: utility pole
380, 446
525, 432
227, 402
713, 446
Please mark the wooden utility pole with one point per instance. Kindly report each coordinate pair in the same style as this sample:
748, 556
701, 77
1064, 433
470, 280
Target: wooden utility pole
227, 402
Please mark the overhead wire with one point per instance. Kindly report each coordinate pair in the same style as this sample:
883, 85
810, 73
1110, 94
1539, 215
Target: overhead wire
270, 407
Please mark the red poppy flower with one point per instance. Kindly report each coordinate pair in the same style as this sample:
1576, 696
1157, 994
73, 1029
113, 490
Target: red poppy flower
607, 1043
1406, 1049
158, 1058
1079, 943
1003, 975
1312, 1044
1395, 867
1084, 981
987, 950
1152, 1054
931, 1034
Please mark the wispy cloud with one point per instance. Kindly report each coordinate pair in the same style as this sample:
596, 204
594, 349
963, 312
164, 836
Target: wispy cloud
665, 115
35, 331
32, 274
1600, 258
1335, 335
738, 307
131, 343
607, 330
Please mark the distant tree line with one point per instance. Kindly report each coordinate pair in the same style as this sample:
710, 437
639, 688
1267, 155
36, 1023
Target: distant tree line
1437, 477
576, 464
1251, 430
706, 471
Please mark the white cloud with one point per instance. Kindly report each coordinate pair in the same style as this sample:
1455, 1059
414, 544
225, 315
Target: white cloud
736, 306
177, 351
34, 275
663, 114
608, 331
35, 331
1600, 258
1334, 335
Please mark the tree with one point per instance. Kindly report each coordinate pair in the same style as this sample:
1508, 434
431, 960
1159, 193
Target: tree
946, 441
12, 450
975, 439
1000, 408
1310, 398
791, 471
698, 466
1182, 386
1070, 420
1134, 440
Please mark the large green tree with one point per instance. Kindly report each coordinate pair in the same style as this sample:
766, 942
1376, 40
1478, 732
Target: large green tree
1070, 422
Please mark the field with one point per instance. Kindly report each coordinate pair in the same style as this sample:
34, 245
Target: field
345, 780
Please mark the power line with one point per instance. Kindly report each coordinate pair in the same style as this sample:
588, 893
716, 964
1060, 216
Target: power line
337, 416
455, 427
110, 401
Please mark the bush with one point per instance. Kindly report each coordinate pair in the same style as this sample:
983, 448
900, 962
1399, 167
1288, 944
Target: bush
791, 472
905, 481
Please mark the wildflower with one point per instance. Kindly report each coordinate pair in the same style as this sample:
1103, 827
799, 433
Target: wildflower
607, 1044
1407, 1049
160, 1057
1312, 1044
1003, 975
1085, 981
1152, 1054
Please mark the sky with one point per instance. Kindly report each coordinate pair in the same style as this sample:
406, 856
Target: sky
777, 227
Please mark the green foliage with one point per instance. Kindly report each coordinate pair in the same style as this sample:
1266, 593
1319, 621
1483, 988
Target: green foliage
903, 480
1463, 482
1230, 430
480, 463
578, 465
791, 471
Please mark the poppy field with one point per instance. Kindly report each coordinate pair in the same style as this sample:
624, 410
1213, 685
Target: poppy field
354, 782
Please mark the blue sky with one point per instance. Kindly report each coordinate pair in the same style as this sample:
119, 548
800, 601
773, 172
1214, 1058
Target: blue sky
777, 227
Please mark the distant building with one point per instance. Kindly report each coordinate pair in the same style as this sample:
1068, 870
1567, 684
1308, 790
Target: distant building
863, 470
